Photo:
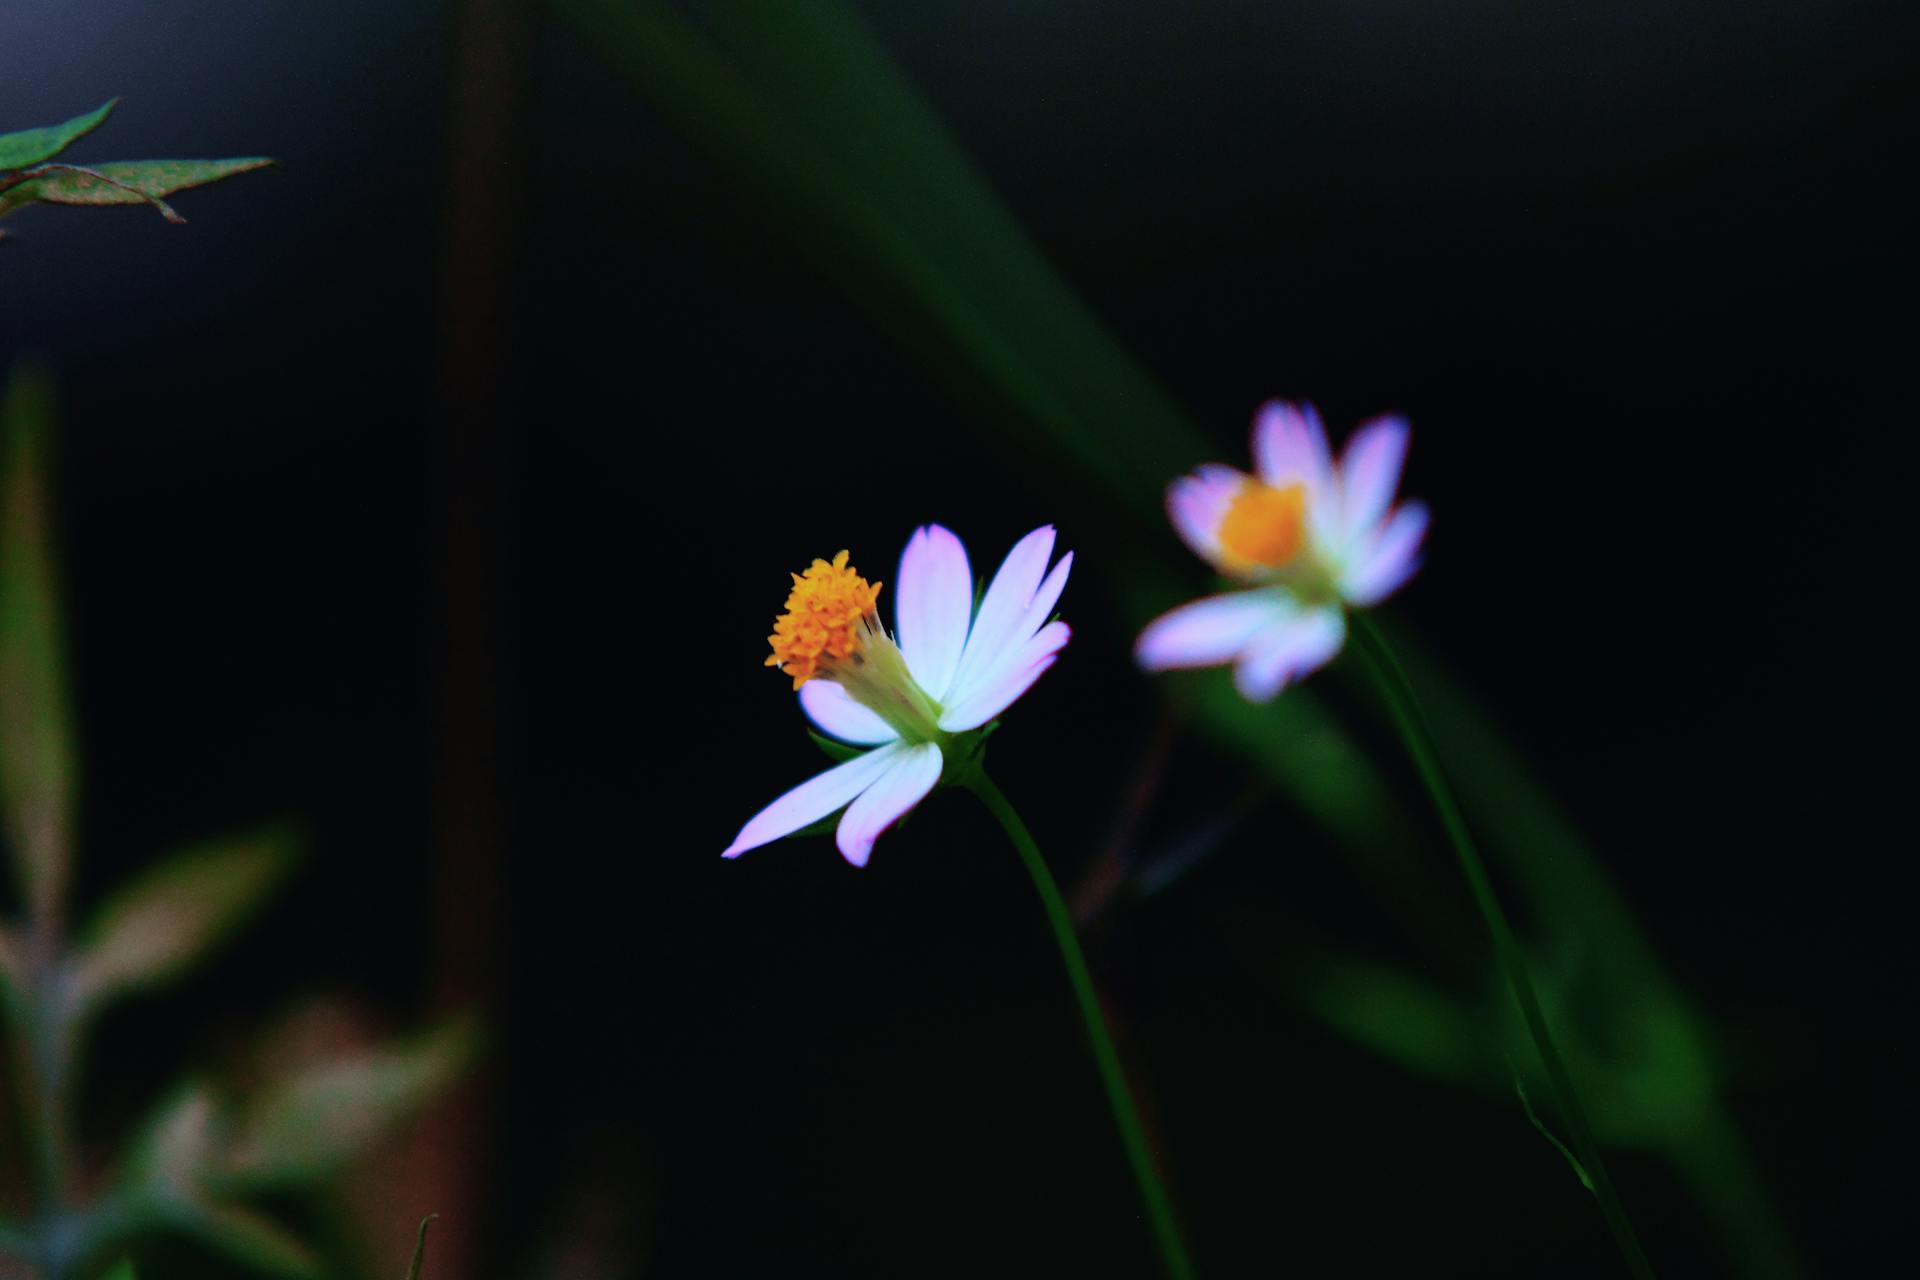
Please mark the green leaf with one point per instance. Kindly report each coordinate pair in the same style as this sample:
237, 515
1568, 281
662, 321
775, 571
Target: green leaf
837, 751
305, 1127
126, 182
177, 912
1400, 1017
36, 720
420, 1247
31, 146
249, 1239
13, 960
121, 1270
174, 1148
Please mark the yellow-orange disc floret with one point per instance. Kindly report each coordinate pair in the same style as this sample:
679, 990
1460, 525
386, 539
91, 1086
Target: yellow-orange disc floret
1265, 526
825, 621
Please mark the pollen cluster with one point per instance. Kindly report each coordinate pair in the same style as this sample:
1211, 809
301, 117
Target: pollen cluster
1265, 526
825, 621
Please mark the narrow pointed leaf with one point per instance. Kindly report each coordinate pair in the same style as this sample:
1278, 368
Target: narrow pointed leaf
420, 1247
1539, 1126
177, 912
306, 1127
36, 722
32, 146
125, 181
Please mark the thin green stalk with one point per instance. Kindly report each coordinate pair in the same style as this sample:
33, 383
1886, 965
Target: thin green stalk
1132, 1135
1411, 721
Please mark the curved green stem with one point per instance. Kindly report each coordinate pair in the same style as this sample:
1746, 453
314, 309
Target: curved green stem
1411, 721
1132, 1135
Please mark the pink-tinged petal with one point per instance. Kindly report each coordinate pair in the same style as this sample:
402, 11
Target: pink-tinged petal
1370, 472
903, 786
998, 689
839, 716
1383, 564
1196, 505
1208, 632
1005, 603
1288, 650
814, 799
932, 606
1290, 445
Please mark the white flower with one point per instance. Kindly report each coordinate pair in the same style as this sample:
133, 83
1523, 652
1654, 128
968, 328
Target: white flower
1311, 537
945, 671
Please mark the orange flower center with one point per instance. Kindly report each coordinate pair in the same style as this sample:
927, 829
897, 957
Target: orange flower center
1265, 526
825, 621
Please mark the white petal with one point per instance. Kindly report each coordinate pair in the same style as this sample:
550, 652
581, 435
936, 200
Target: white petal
1040, 609
1196, 505
1288, 650
1289, 446
838, 715
996, 690
1209, 631
1384, 563
884, 803
814, 799
1370, 472
1001, 609
932, 607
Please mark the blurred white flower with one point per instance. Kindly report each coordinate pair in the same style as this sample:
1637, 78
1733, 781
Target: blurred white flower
1310, 537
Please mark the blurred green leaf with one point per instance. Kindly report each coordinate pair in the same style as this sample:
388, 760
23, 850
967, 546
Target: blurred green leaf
305, 1127
173, 915
36, 721
121, 1270
15, 1239
126, 182
1414, 1023
174, 1148
13, 961
31, 146
248, 1238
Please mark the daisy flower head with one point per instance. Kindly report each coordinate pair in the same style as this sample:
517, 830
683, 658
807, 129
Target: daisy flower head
1307, 536
910, 698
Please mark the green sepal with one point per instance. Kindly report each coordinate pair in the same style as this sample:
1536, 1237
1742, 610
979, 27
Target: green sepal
824, 827
837, 751
32, 146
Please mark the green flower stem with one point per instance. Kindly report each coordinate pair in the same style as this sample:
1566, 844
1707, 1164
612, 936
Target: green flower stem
1159, 1211
1411, 721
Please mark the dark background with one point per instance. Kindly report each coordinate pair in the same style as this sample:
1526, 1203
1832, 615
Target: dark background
1640, 276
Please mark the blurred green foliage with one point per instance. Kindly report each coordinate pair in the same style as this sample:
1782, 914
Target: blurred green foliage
207, 1149
802, 106
29, 171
